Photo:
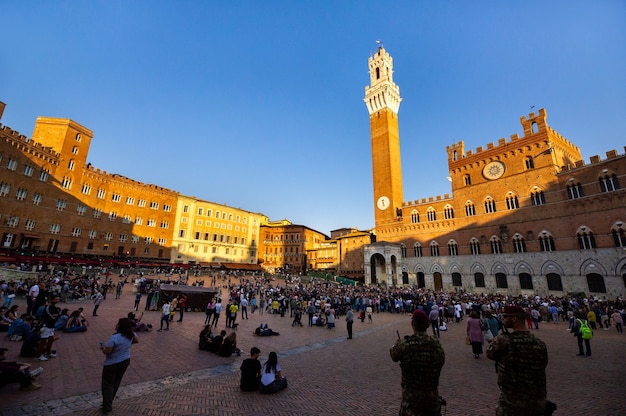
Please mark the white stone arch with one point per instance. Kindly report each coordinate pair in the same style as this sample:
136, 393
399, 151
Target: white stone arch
436, 267
620, 268
478, 268
419, 267
551, 267
499, 267
455, 268
592, 266
523, 267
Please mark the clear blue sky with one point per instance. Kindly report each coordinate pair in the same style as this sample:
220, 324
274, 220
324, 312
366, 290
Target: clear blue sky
259, 104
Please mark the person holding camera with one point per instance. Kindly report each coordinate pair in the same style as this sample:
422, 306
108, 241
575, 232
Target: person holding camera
421, 359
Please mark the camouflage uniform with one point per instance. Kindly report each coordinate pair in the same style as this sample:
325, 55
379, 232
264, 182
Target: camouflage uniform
421, 358
521, 361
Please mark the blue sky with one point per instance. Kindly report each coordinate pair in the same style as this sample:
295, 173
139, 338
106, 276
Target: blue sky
259, 104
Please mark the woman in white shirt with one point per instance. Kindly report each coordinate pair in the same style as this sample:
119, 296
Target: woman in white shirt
272, 380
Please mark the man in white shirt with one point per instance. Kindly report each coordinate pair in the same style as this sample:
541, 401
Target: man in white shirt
33, 293
165, 316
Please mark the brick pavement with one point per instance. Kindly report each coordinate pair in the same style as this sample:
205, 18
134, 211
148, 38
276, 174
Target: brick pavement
327, 374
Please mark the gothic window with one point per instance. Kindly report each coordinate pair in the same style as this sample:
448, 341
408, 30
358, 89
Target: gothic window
415, 217
475, 246
586, 240
432, 215
537, 198
519, 245
470, 209
546, 242
457, 280
511, 201
554, 282
529, 162
496, 245
434, 249
595, 282
453, 248
574, 190
619, 237
608, 183
448, 212
403, 250
418, 249
468, 179
501, 282
525, 281
479, 279
490, 205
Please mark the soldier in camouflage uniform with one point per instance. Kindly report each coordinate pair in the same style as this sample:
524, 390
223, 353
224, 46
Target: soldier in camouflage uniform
521, 361
421, 359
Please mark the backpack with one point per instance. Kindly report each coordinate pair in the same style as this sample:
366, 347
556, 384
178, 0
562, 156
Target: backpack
585, 331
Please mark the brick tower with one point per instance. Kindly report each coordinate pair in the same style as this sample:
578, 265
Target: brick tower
382, 98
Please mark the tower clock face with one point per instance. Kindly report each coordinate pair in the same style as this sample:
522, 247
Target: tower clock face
494, 170
382, 203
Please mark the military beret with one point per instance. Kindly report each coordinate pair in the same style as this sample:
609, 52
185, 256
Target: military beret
421, 319
514, 310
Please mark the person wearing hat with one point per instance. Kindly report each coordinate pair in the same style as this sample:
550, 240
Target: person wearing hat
521, 360
421, 359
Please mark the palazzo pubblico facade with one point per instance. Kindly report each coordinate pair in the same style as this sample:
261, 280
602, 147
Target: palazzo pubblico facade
527, 215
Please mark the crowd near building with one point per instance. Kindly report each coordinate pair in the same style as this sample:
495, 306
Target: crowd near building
526, 215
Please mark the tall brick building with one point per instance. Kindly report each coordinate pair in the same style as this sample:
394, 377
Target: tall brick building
526, 215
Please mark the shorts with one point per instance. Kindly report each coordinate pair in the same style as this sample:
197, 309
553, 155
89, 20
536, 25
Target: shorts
46, 332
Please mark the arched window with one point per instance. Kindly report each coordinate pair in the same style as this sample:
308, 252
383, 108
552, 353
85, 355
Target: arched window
417, 247
574, 189
432, 214
533, 127
434, 249
511, 201
546, 241
479, 280
448, 212
501, 282
453, 248
519, 245
490, 205
537, 198
586, 240
496, 245
609, 183
619, 237
554, 282
525, 281
468, 179
415, 217
457, 280
595, 282
529, 162
470, 209
403, 250
475, 246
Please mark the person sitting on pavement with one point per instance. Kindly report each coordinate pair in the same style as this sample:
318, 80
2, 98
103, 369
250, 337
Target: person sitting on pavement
62, 320
205, 338
74, 323
217, 342
138, 326
17, 372
229, 346
318, 320
272, 380
263, 331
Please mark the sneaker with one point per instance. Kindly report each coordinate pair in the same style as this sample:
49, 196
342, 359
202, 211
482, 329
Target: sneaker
36, 372
33, 386
52, 355
43, 358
